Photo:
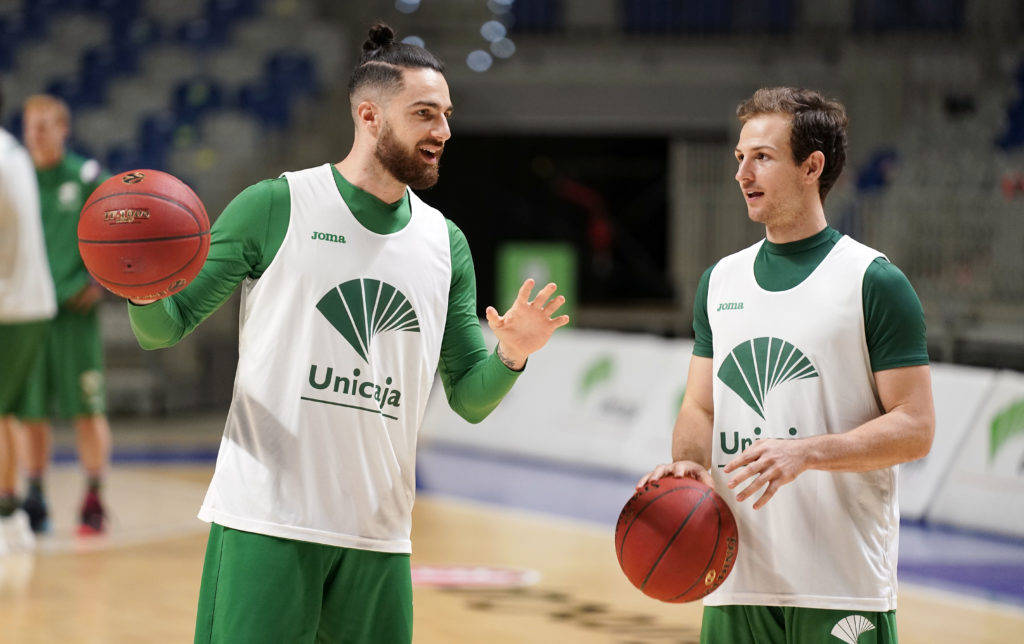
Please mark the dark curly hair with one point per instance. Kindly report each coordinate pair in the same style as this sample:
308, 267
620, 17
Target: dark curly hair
818, 123
383, 59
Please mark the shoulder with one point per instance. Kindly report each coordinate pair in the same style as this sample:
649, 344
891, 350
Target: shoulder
13, 154
269, 193
84, 169
455, 233
884, 275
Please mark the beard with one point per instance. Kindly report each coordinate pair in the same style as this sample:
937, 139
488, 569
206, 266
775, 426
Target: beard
404, 164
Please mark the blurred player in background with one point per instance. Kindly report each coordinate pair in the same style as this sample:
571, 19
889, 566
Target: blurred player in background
354, 293
69, 374
809, 383
27, 304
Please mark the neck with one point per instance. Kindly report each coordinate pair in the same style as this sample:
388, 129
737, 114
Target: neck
364, 172
807, 222
45, 162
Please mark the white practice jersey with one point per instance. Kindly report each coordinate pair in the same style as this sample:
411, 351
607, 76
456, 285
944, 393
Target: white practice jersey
790, 365
26, 286
339, 342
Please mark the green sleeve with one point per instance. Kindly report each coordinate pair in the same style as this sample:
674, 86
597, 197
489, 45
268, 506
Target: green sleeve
243, 242
474, 379
702, 338
893, 319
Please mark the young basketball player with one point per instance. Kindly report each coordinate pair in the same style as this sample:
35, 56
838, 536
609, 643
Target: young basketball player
354, 292
809, 383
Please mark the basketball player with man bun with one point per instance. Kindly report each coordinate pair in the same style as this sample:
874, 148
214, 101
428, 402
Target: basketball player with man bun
809, 383
354, 292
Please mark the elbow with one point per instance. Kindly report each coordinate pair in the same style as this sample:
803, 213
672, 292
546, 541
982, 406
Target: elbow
924, 437
473, 416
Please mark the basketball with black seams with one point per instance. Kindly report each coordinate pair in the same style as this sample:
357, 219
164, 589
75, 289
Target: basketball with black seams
676, 539
143, 234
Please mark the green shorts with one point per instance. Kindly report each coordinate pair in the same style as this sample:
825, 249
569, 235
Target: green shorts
791, 625
67, 378
258, 589
20, 345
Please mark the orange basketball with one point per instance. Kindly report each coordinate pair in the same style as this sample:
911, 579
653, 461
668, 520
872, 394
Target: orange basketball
676, 539
143, 234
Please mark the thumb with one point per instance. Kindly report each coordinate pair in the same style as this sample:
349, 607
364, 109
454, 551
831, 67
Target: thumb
492, 315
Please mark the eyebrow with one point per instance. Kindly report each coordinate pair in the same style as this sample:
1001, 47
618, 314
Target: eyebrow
436, 106
764, 146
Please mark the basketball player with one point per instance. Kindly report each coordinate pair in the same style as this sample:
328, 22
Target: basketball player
354, 292
69, 374
809, 383
27, 304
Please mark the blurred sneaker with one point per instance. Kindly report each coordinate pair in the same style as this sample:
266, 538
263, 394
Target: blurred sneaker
93, 517
38, 513
16, 532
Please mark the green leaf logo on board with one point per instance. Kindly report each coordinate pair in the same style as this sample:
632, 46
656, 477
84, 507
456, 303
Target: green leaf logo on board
599, 371
1007, 423
361, 309
754, 368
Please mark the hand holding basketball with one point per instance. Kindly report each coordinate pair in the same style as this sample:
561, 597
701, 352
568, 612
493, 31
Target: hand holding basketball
676, 539
143, 234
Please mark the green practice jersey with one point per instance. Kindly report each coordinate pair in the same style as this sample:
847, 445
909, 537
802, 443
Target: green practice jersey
63, 191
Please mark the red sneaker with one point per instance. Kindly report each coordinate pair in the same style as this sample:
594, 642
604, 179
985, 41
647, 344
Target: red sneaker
93, 518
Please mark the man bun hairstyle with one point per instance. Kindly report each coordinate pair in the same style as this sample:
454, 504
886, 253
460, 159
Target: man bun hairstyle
383, 60
817, 123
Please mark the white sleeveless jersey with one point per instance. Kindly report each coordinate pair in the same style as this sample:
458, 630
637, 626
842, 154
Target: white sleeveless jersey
795, 364
338, 346
26, 285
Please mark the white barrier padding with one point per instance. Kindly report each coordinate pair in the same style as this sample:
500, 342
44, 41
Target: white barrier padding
589, 397
984, 489
959, 393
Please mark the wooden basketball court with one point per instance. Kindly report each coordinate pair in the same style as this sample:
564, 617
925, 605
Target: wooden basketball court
524, 577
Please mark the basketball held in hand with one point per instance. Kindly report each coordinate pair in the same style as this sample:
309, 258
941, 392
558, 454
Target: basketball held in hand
143, 234
676, 539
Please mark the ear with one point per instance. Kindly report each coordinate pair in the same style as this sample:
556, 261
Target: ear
813, 166
368, 117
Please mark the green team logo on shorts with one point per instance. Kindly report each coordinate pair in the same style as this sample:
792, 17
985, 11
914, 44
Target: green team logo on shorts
361, 309
753, 368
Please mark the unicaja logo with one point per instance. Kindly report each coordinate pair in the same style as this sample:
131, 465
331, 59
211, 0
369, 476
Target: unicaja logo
755, 367
850, 628
361, 309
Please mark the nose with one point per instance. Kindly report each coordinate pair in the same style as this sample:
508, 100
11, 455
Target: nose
744, 174
441, 130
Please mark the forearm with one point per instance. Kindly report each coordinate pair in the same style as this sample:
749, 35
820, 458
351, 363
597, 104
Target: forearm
478, 391
892, 438
903, 433
691, 436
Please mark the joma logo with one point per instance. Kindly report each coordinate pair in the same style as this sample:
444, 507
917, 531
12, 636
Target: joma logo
730, 306
331, 237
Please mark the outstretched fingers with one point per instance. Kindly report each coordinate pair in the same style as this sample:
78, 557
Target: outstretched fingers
525, 290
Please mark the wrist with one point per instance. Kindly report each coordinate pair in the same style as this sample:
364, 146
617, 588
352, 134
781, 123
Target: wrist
510, 360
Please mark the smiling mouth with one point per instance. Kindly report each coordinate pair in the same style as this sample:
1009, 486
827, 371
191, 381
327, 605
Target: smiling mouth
431, 155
